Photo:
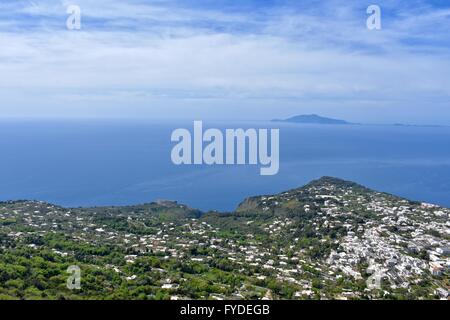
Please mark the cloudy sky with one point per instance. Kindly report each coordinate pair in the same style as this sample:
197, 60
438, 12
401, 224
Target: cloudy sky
223, 59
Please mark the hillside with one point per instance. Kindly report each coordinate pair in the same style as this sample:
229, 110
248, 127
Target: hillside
323, 240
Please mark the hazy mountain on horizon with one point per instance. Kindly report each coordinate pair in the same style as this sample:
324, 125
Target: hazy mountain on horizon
316, 119
313, 119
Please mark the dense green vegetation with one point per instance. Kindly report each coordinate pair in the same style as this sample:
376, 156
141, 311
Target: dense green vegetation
302, 244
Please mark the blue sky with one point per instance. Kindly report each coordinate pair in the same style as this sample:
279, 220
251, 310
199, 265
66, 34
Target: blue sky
224, 59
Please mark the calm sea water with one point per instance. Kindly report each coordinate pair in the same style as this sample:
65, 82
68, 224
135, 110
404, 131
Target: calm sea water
87, 163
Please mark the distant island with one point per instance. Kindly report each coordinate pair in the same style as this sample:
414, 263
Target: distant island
316, 119
313, 119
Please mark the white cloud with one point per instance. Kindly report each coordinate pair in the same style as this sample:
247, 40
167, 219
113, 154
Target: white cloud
138, 53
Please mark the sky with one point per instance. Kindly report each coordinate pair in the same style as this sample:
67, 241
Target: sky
227, 60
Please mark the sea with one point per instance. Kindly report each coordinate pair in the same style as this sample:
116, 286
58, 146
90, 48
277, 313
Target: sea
77, 163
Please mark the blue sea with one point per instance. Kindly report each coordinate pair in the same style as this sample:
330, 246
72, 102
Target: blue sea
118, 162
